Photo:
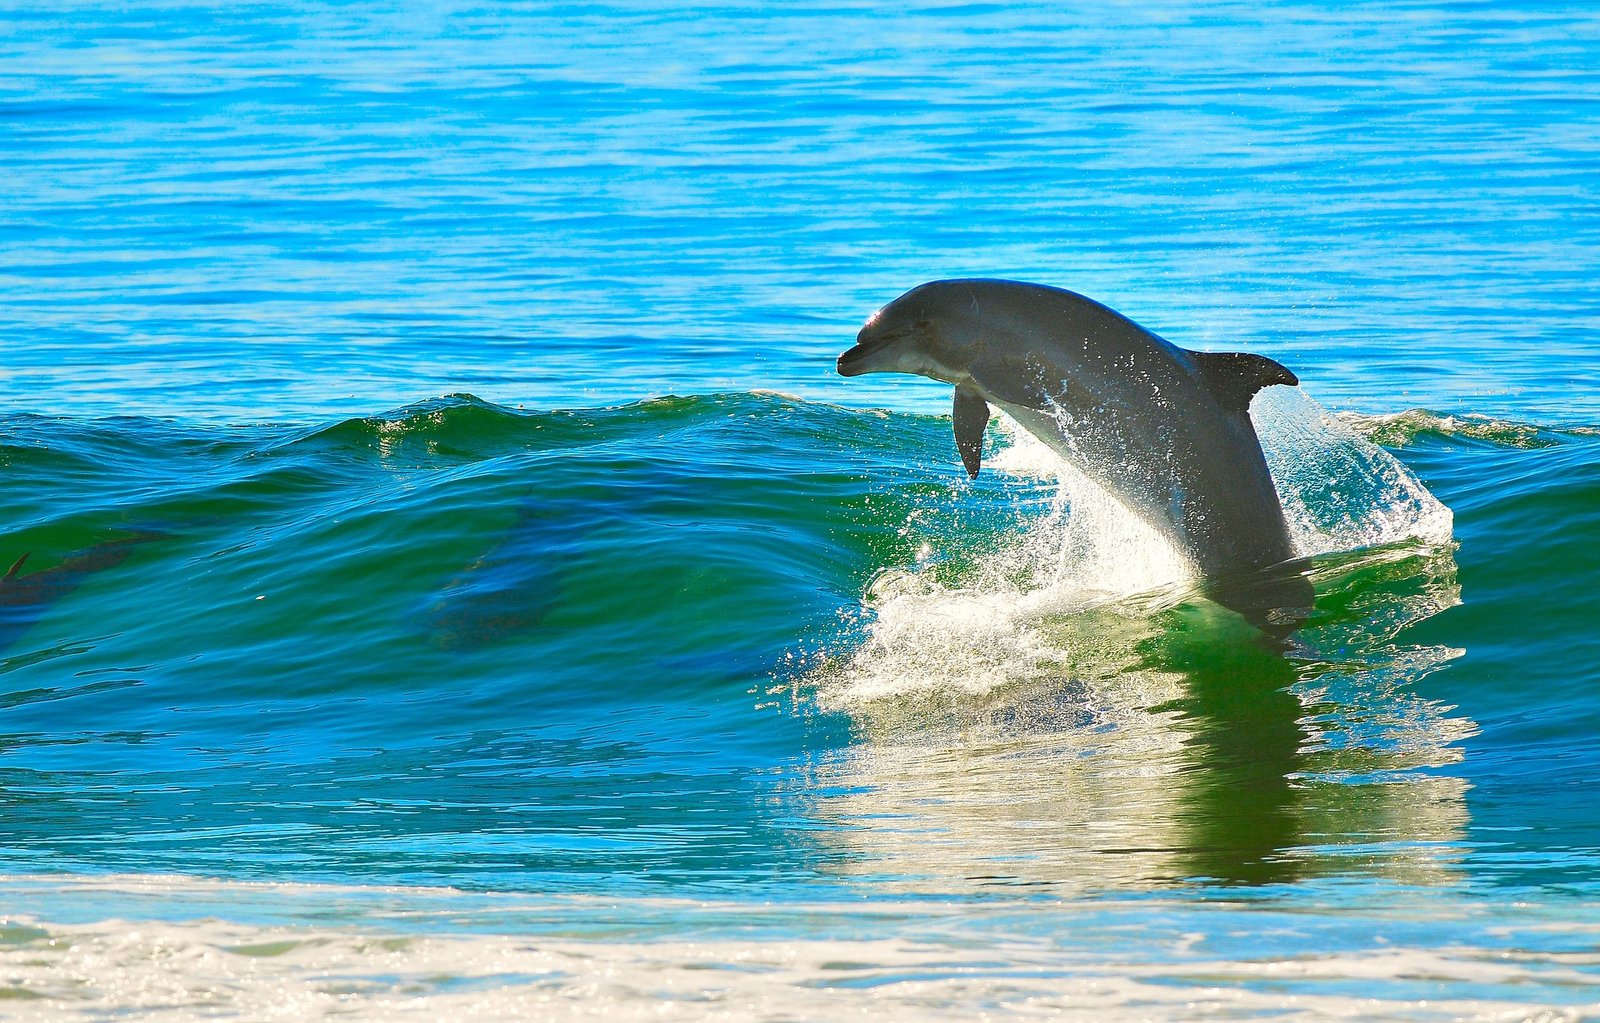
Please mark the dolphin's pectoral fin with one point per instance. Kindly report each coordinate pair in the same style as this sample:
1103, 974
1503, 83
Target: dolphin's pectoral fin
1233, 378
15, 568
971, 414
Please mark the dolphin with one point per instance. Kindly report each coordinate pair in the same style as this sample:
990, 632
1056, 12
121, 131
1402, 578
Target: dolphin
25, 598
1165, 429
510, 587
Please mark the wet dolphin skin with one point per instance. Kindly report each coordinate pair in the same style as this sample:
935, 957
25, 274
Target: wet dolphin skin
1167, 430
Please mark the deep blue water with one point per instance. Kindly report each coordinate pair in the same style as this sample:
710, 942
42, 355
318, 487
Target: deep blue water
423, 431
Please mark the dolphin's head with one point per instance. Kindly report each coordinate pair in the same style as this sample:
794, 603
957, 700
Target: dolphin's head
923, 331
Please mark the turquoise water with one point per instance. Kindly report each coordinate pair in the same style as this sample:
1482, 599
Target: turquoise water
455, 567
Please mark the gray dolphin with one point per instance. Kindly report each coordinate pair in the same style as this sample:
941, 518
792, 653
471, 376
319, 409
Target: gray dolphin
1165, 429
25, 598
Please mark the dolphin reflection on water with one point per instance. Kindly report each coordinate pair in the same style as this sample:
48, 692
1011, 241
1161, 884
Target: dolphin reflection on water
1165, 429
1124, 749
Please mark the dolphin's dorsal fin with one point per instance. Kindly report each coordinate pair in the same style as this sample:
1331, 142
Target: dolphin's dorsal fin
971, 415
16, 566
1233, 378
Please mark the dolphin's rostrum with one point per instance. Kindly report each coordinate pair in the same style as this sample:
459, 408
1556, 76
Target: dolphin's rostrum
1167, 430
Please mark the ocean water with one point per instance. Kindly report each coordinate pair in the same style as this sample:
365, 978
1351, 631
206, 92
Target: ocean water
457, 584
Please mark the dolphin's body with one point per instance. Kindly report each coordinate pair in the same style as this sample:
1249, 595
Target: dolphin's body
510, 587
1165, 429
25, 598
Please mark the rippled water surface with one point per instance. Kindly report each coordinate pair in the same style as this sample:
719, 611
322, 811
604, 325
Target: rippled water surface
450, 578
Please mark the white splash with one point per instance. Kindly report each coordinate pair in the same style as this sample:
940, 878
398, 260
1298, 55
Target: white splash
1005, 622
1340, 491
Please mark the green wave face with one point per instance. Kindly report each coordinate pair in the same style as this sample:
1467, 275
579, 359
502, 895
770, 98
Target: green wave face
790, 617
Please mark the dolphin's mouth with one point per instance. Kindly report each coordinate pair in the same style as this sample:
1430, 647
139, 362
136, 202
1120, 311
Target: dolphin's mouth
851, 362
856, 361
